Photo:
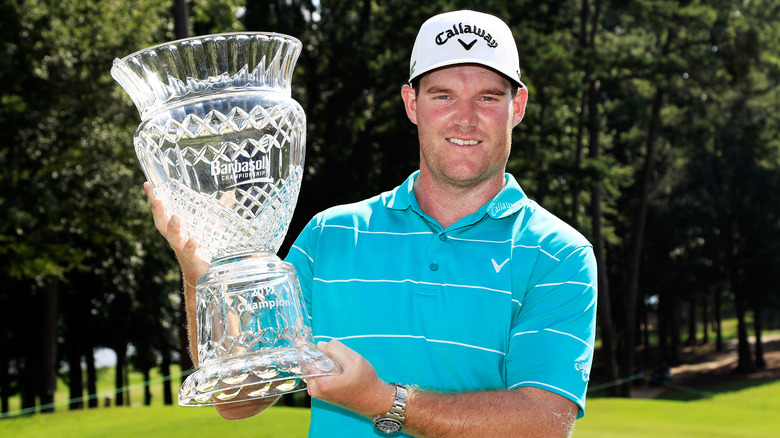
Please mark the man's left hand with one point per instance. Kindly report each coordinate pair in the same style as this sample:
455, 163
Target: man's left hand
357, 388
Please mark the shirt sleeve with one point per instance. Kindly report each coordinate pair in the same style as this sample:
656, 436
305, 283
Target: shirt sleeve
552, 336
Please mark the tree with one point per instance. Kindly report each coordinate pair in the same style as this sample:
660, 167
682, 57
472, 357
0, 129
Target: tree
68, 164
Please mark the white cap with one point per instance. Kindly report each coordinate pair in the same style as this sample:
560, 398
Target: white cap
465, 37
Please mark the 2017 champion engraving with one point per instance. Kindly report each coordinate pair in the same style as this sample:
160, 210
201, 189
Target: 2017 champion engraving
266, 304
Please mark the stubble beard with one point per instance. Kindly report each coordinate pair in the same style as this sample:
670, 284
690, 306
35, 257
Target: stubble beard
440, 174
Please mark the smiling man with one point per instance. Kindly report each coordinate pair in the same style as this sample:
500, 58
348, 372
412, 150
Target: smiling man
456, 305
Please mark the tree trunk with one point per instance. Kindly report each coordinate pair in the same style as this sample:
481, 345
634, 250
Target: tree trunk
75, 379
89, 358
745, 360
27, 387
47, 378
126, 378
705, 321
574, 186
630, 308
719, 323
674, 330
147, 388
5, 384
758, 327
74, 343
91, 374
663, 326
181, 19
27, 375
604, 301
691, 340
119, 377
165, 371
584, 45
589, 117
645, 306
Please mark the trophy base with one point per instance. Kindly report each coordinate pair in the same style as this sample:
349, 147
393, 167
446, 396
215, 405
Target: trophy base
259, 375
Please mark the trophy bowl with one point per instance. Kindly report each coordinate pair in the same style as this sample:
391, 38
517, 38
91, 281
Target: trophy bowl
222, 142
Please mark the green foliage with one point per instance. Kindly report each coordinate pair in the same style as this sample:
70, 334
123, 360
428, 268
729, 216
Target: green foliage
71, 201
216, 16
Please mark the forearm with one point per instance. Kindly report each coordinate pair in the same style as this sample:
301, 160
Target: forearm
524, 412
191, 321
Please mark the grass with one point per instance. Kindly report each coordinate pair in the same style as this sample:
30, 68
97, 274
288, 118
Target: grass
744, 411
747, 410
152, 421
156, 421
106, 388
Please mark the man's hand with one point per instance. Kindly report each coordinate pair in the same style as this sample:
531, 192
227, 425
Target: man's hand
522, 412
192, 266
357, 388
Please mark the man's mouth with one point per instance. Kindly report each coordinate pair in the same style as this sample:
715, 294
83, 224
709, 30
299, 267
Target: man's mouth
460, 142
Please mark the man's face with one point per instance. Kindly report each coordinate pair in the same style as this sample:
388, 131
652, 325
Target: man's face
464, 116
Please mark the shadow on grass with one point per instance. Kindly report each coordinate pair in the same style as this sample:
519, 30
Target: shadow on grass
680, 392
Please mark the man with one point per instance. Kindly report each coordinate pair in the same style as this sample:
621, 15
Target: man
477, 304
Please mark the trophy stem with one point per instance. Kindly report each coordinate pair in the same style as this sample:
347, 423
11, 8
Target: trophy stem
254, 337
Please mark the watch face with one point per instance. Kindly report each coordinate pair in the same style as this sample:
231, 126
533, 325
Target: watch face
388, 425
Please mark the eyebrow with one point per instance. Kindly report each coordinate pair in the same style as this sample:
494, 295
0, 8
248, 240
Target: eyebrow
486, 91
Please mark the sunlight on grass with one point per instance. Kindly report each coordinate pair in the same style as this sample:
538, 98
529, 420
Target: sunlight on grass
745, 413
734, 412
738, 409
163, 421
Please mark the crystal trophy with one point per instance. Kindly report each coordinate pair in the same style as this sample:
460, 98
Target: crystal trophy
222, 143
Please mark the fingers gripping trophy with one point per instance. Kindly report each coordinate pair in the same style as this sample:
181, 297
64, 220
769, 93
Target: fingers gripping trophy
223, 143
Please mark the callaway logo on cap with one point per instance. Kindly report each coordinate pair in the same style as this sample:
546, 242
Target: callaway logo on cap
465, 37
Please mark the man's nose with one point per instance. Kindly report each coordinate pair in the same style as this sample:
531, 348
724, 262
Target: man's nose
465, 113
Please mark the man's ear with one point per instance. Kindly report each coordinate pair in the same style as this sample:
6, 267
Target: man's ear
410, 102
521, 99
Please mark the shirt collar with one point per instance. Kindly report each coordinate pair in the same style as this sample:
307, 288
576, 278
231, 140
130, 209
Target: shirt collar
507, 202
401, 197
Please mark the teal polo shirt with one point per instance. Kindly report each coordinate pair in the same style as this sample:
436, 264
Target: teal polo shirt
503, 298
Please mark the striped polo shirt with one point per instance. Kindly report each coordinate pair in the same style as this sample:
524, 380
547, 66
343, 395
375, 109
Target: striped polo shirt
503, 298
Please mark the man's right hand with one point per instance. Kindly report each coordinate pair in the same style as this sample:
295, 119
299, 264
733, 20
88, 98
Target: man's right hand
192, 266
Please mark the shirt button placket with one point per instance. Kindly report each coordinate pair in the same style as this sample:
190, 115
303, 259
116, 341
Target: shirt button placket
435, 266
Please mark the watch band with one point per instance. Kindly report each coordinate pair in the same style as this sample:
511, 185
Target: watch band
393, 420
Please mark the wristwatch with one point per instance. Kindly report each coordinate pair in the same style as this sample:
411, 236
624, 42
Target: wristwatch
393, 420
